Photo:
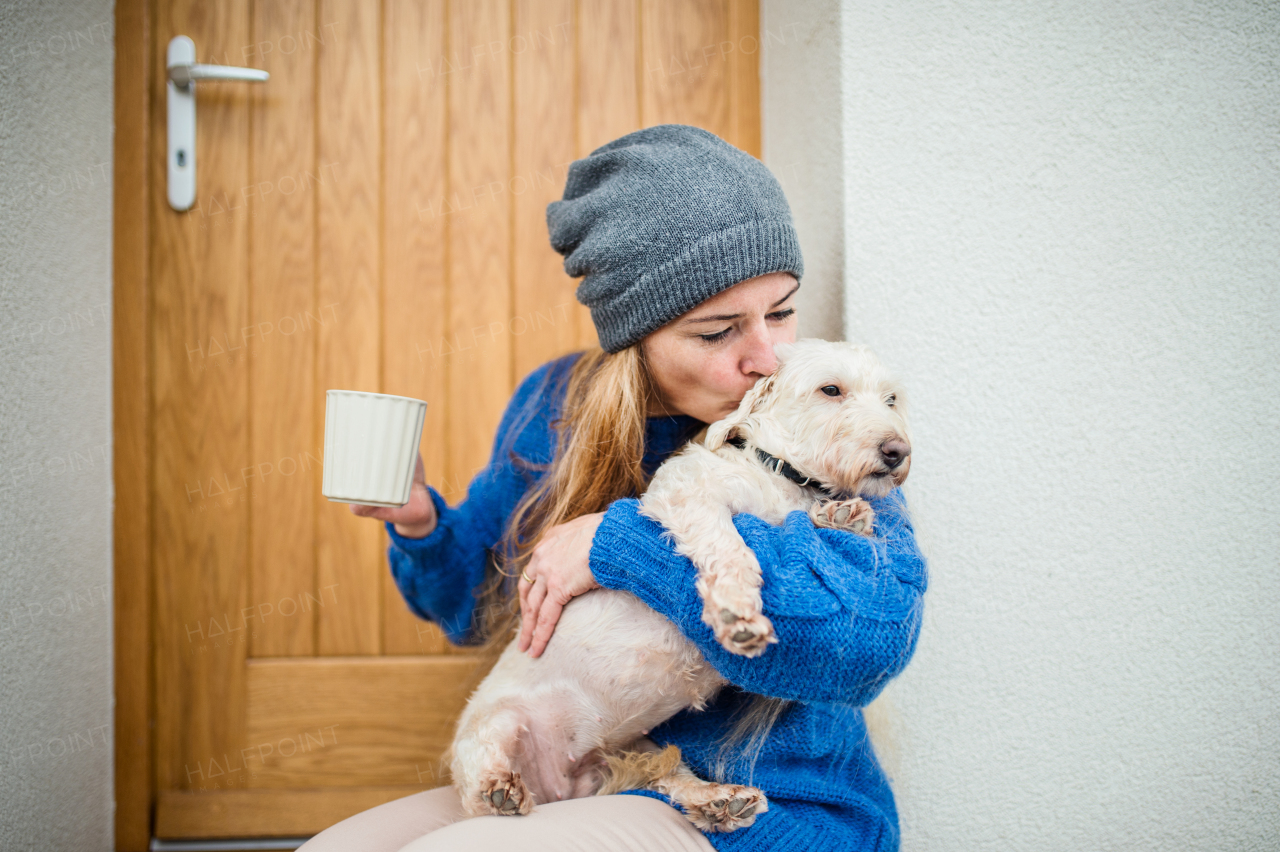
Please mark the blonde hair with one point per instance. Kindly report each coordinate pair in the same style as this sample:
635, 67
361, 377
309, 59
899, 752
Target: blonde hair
597, 459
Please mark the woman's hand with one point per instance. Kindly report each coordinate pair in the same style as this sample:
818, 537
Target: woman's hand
415, 519
560, 568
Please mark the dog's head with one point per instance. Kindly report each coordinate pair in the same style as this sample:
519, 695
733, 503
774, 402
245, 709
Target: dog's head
832, 410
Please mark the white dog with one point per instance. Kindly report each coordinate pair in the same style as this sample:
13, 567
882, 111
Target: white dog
827, 426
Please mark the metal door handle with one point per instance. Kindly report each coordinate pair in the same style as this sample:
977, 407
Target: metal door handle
182, 75
181, 106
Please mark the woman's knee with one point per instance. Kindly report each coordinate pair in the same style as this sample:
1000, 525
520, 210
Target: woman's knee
617, 823
389, 826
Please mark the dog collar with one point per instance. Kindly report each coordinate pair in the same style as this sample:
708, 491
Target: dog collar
778, 465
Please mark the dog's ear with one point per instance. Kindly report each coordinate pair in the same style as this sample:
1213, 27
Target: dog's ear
722, 430
783, 351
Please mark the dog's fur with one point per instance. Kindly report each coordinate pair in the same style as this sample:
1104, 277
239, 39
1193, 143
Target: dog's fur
572, 722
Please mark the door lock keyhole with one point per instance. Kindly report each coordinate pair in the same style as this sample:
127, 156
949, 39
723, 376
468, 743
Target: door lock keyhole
183, 72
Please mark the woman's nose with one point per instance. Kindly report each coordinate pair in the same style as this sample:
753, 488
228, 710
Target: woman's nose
759, 357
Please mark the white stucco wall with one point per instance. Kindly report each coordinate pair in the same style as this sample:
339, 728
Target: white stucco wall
56, 732
803, 142
1062, 225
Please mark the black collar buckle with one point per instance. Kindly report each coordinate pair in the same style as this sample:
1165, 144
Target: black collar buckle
782, 467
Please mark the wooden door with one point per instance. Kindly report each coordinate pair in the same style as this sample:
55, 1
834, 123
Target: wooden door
372, 218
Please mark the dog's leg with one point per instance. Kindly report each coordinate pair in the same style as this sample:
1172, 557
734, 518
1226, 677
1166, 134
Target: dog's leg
729, 577
712, 806
484, 768
709, 805
854, 515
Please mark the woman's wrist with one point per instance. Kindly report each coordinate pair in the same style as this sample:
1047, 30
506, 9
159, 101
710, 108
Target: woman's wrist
416, 530
420, 505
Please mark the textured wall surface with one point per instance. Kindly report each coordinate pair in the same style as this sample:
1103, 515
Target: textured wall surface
55, 415
1063, 229
800, 113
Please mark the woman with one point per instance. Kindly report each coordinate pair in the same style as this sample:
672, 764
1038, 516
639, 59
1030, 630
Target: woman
691, 266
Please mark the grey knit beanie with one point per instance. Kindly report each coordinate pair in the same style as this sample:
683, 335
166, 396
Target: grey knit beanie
661, 220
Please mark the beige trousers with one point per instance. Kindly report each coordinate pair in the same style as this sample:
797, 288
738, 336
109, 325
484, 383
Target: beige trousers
433, 820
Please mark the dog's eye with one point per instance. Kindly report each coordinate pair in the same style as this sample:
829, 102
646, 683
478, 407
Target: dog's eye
831, 390
891, 399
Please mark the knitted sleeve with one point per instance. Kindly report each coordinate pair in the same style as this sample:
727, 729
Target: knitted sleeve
439, 574
846, 609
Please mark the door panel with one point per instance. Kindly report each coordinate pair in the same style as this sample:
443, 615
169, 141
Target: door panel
373, 218
415, 143
366, 722
477, 212
348, 263
200, 399
282, 278
543, 146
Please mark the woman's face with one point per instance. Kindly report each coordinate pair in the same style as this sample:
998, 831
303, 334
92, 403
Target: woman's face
706, 360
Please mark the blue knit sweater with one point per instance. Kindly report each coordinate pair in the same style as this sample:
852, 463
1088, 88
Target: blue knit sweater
846, 610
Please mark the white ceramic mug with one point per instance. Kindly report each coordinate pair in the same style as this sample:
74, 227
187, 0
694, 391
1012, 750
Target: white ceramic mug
370, 447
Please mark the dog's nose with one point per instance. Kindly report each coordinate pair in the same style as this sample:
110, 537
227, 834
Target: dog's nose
894, 452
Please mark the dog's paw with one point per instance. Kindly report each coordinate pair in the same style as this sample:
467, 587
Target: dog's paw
745, 635
854, 515
501, 792
723, 807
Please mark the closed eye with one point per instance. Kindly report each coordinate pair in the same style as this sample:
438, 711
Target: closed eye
776, 316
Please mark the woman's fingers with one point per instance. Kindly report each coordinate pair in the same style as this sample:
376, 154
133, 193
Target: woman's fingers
417, 512
408, 513
561, 569
523, 586
378, 512
531, 612
548, 614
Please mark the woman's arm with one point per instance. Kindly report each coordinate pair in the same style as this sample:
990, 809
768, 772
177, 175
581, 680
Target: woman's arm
845, 608
438, 574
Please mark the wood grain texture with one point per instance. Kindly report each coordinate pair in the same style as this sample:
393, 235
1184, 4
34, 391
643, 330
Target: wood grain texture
741, 51
608, 88
685, 75
608, 94
266, 813
130, 402
415, 286
543, 324
479, 212
285, 321
364, 721
349, 553
200, 510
